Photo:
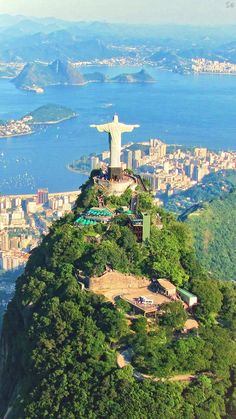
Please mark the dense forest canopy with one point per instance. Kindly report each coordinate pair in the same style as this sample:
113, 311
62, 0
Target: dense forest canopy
214, 231
59, 343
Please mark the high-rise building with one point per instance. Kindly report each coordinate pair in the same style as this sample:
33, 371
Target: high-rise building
199, 172
14, 243
17, 218
4, 220
12, 260
200, 152
137, 154
31, 207
106, 155
157, 148
17, 202
4, 241
94, 163
42, 196
128, 158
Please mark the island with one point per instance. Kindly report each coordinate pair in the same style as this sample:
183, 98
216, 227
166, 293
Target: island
37, 76
140, 77
48, 114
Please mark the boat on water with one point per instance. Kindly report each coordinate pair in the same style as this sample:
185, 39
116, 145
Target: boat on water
107, 105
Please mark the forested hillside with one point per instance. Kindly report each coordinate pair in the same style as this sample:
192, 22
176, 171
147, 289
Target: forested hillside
214, 231
212, 186
59, 343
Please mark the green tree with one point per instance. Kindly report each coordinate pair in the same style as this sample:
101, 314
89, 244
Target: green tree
206, 398
174, 315
223, 350
210, 299
164, 257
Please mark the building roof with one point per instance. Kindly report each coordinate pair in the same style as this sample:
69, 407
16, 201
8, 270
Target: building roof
82, 221
164, 283
191, 324
100, 212
186, 293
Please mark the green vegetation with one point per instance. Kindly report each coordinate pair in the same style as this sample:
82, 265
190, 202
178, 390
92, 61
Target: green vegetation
174, 316
141, 77
59, 342
214, 232
163, 351
215, 185
51, 113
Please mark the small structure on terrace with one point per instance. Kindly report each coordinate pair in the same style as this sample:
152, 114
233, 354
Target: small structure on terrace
187, 297
94, 216
165, 287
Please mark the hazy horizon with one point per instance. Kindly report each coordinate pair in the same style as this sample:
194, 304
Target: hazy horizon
111, 22
180, 12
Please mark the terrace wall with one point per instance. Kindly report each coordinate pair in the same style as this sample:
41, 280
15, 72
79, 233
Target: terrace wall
116, 281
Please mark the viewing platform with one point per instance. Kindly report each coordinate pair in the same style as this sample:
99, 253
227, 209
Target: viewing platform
117, 187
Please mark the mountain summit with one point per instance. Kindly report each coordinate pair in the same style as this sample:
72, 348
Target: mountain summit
42, 75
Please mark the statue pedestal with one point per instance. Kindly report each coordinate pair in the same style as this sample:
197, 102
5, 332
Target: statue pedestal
115, 173
117, 188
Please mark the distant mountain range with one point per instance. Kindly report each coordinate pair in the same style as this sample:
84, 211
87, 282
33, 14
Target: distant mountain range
55, 45
39, 75
26, 39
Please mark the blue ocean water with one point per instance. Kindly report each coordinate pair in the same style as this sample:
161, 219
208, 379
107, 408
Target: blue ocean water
182, 109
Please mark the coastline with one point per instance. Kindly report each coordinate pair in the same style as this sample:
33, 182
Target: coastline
17, 135
214, 73
54, 122
38, 123
79, 172
28, 89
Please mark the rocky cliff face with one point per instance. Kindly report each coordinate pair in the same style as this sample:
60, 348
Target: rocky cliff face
10, 359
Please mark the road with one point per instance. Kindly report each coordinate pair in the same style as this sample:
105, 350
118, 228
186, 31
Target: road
124, 358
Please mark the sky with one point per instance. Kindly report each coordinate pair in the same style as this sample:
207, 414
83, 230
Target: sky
132, 11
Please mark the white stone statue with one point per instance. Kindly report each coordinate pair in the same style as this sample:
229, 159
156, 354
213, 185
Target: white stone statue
115, 129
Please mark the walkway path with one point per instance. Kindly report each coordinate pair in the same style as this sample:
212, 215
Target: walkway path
124, 358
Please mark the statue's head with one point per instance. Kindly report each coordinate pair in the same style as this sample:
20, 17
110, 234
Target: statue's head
115, 118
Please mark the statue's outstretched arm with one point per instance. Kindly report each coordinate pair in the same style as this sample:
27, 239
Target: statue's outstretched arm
101, 128
128, 128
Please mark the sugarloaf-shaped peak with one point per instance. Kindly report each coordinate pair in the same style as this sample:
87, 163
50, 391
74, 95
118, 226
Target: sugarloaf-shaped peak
59, 66
42, 75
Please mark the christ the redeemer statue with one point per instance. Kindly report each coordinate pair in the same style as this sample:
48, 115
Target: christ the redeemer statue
114, 130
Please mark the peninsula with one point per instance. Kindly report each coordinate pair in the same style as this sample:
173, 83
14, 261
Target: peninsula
45, 115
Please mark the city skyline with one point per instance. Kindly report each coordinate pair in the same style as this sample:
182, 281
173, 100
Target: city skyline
205, 12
